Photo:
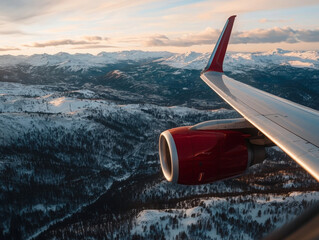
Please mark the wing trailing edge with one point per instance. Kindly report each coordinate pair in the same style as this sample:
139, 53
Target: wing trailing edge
216, 60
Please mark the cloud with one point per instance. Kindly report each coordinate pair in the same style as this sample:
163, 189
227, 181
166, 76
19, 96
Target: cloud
8, 49
59, 42
94, 46
205, 37
266, 20
91, 42
24, 11
274, 35
20, 10
308, 35
208, 10
209, 36
83, 24
93, 38
12, 32
111, 5
244, 6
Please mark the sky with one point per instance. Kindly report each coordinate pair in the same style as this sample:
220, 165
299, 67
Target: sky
92, 26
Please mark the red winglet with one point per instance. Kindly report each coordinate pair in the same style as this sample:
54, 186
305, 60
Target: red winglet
216, 60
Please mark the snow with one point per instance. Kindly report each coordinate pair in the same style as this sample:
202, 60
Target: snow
198, 61
17, 99
43, 208
301, 64
38, 107
254, 208
85, 92
188, 60
58, 101
79, 62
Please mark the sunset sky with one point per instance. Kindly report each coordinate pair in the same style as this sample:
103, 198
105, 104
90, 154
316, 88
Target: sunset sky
92, 26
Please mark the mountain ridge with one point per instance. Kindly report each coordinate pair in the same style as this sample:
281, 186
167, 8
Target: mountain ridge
187, 60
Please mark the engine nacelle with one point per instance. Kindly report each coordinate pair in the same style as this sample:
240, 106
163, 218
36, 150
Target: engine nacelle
194, 157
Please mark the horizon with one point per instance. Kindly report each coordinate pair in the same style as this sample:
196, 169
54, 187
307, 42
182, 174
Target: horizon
37, 27
149, 51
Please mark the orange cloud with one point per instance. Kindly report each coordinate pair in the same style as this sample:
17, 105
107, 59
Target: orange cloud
209, 36
94, 46
9, 49
58, 43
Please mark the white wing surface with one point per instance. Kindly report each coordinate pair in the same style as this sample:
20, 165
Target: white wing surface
292, 127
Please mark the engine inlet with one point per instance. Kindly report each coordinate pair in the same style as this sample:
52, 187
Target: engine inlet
168, 156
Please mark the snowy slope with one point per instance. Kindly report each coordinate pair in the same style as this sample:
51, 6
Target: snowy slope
222, 218
53, 139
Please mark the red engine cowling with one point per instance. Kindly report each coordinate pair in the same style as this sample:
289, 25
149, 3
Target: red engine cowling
193, 157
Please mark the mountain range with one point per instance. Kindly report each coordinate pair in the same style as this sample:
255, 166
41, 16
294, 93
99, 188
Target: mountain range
188, 60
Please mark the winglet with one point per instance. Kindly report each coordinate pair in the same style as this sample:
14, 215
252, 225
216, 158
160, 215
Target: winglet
216, 60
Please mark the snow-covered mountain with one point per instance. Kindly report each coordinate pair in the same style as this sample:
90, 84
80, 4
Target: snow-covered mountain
188, 60
234, 61
76, 62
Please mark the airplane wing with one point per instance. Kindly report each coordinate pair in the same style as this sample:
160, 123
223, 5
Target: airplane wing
292, 127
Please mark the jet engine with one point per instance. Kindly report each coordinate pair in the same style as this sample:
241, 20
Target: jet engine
209, 151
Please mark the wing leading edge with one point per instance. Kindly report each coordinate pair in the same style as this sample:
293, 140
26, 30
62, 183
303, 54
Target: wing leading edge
292, 127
